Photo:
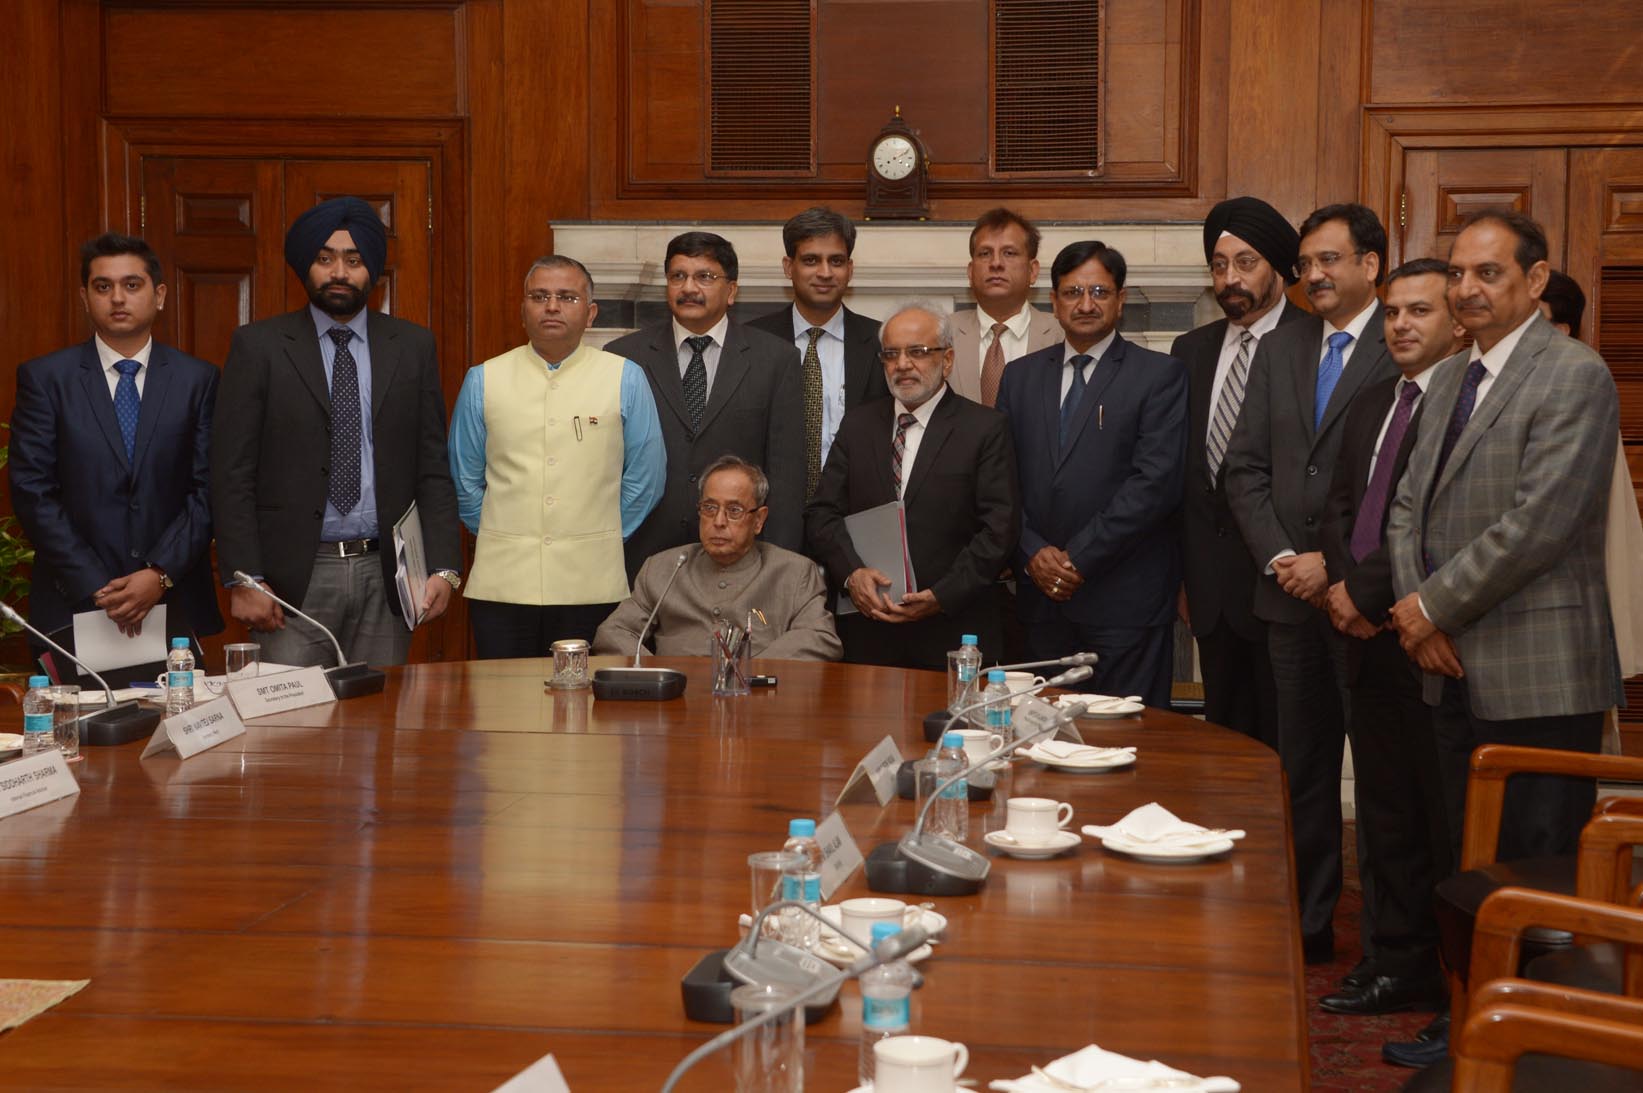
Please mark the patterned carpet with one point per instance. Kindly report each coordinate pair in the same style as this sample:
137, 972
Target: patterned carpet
1346, 1051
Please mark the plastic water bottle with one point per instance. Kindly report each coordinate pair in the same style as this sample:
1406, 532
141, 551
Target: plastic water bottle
886, 1002
997, 697
37, 730
950, 815
798, 928
966, 671
179, 677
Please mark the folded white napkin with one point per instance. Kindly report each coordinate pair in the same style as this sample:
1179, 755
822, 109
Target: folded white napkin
1067, 750
1091, 1066
1153, 823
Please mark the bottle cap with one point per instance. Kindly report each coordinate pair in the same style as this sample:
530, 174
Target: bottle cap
39, 681
995, 675
952, 740
179, 643
882, 930
968, 639
801, 829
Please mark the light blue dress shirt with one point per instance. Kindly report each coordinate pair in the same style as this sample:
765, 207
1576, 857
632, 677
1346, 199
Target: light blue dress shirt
361, 522
830, 349
644, 458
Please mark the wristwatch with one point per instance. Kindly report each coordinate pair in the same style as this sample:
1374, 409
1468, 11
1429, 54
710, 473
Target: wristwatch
166, 583
451, 576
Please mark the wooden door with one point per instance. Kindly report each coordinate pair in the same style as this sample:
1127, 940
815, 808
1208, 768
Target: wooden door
1442, 185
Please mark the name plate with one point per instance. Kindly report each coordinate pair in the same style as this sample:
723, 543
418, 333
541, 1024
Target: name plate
260, 696
193, 731
879, 768
1034, 715
542, 1076
35, 780
840, 854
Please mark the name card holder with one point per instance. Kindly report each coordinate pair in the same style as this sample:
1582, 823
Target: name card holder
260, 696
35, 780
196, 730
542, 1076
840, 854
879, 769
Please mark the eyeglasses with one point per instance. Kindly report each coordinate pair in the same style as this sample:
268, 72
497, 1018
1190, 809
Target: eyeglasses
733, 512
566, 299
1073, 293
1325, 262
705, 278
1245, 263
916, 353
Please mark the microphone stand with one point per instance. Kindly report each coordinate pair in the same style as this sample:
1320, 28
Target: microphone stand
938, 722
346, 680
114, 724
643, 684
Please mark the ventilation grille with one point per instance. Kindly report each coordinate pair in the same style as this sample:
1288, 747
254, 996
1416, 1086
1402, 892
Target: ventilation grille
1047, 86
1620, 341
760, 63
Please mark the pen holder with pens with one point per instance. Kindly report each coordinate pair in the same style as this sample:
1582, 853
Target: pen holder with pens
732, 654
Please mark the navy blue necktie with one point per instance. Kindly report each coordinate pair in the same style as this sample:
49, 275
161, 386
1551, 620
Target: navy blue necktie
126, 404
1069, 405
345, 424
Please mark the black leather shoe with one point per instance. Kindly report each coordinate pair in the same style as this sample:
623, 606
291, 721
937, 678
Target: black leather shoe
1430, 1045
1318, 948
1386, 994
1360, 975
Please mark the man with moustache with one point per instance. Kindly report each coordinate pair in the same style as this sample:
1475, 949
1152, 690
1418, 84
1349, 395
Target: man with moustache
1394, 761
330, 422
949, 461
108, 459
1251, 251
839, 348
1101, 426
1278, 468
1004, 326
720, 388
557, 456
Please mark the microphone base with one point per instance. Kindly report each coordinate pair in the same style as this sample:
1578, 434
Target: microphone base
935, 722
888, 870
981, 783
638, 684
356, 680
119, 724
705, 991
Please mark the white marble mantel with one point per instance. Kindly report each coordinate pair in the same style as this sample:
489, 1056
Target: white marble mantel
895, 262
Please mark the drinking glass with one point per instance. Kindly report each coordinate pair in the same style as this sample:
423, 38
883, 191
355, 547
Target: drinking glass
770, 1059
732, 660
65, 720
242, 660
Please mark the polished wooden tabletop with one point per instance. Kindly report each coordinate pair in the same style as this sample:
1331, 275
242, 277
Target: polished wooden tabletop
433, 887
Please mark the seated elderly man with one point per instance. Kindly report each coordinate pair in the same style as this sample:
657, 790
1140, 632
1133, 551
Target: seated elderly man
726, 576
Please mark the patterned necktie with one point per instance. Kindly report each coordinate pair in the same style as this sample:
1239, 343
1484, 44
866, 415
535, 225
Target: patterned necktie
898, 447
812, 413
1366, 529
1069, 405
1227, 406
1329, 374
992, 367
126, 405
345, 424
696, 380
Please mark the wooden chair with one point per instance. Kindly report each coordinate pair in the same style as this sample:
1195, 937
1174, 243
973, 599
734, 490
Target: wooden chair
1607, 849
15, 691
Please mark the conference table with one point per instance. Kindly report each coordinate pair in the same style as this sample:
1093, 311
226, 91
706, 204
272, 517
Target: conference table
433, 887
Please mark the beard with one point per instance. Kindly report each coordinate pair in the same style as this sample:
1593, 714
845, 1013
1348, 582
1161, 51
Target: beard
1237, 302
337, 298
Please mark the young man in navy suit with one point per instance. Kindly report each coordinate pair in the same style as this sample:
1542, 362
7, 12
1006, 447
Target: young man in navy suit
108, 459
1101, 437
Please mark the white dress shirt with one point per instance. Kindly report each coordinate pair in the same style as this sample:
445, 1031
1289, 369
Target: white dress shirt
110, 358
1495, 359
915, 433
1014, 337
1229, 353
1353, 327
710, 355
830, 350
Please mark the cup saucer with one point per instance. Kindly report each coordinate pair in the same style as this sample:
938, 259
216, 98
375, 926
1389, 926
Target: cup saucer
1058, 843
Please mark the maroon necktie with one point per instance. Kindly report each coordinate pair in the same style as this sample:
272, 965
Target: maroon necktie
1366, 530
898, 447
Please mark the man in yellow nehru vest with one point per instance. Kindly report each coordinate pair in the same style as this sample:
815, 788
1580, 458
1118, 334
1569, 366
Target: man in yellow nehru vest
557, 456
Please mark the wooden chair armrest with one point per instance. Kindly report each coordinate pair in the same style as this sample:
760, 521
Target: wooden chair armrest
1627, 806
1497, 935
15, 691
1604, 870
1492, 764
1514, 1017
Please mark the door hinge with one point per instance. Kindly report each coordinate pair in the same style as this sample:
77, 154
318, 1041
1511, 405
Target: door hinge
430, 214
142, 214
1403, 210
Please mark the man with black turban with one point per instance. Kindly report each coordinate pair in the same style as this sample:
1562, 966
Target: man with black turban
1251, 250
330, 422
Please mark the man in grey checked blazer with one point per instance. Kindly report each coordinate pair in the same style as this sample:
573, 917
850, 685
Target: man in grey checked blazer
1496, 537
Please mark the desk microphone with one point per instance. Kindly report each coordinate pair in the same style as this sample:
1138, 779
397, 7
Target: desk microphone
1072, 661
346, 680
894, 947
643, 684
936, 724
115, 723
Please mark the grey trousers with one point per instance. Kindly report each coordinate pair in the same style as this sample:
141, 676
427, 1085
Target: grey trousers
349, 596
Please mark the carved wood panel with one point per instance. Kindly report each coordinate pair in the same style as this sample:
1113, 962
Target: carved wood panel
1443, 186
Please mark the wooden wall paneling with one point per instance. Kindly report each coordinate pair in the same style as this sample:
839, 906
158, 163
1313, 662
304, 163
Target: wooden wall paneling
665, 61
1443, 185
1345, 46
1136, 82
401, 192
1272, 104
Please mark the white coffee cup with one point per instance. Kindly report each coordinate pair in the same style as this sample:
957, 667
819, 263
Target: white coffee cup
979, 743
1036, 819
1019, 683
856, 916
917, 1064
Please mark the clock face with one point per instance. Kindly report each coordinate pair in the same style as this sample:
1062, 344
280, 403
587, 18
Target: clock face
894, 158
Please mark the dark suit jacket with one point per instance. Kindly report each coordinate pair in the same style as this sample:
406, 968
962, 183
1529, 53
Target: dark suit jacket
94, 515
1220, 573
1278, 467
863, 374
755, 410
963, 514
271, 448
1368, 582
1109, 499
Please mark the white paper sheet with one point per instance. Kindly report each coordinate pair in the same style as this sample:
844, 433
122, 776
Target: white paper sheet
98, 641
